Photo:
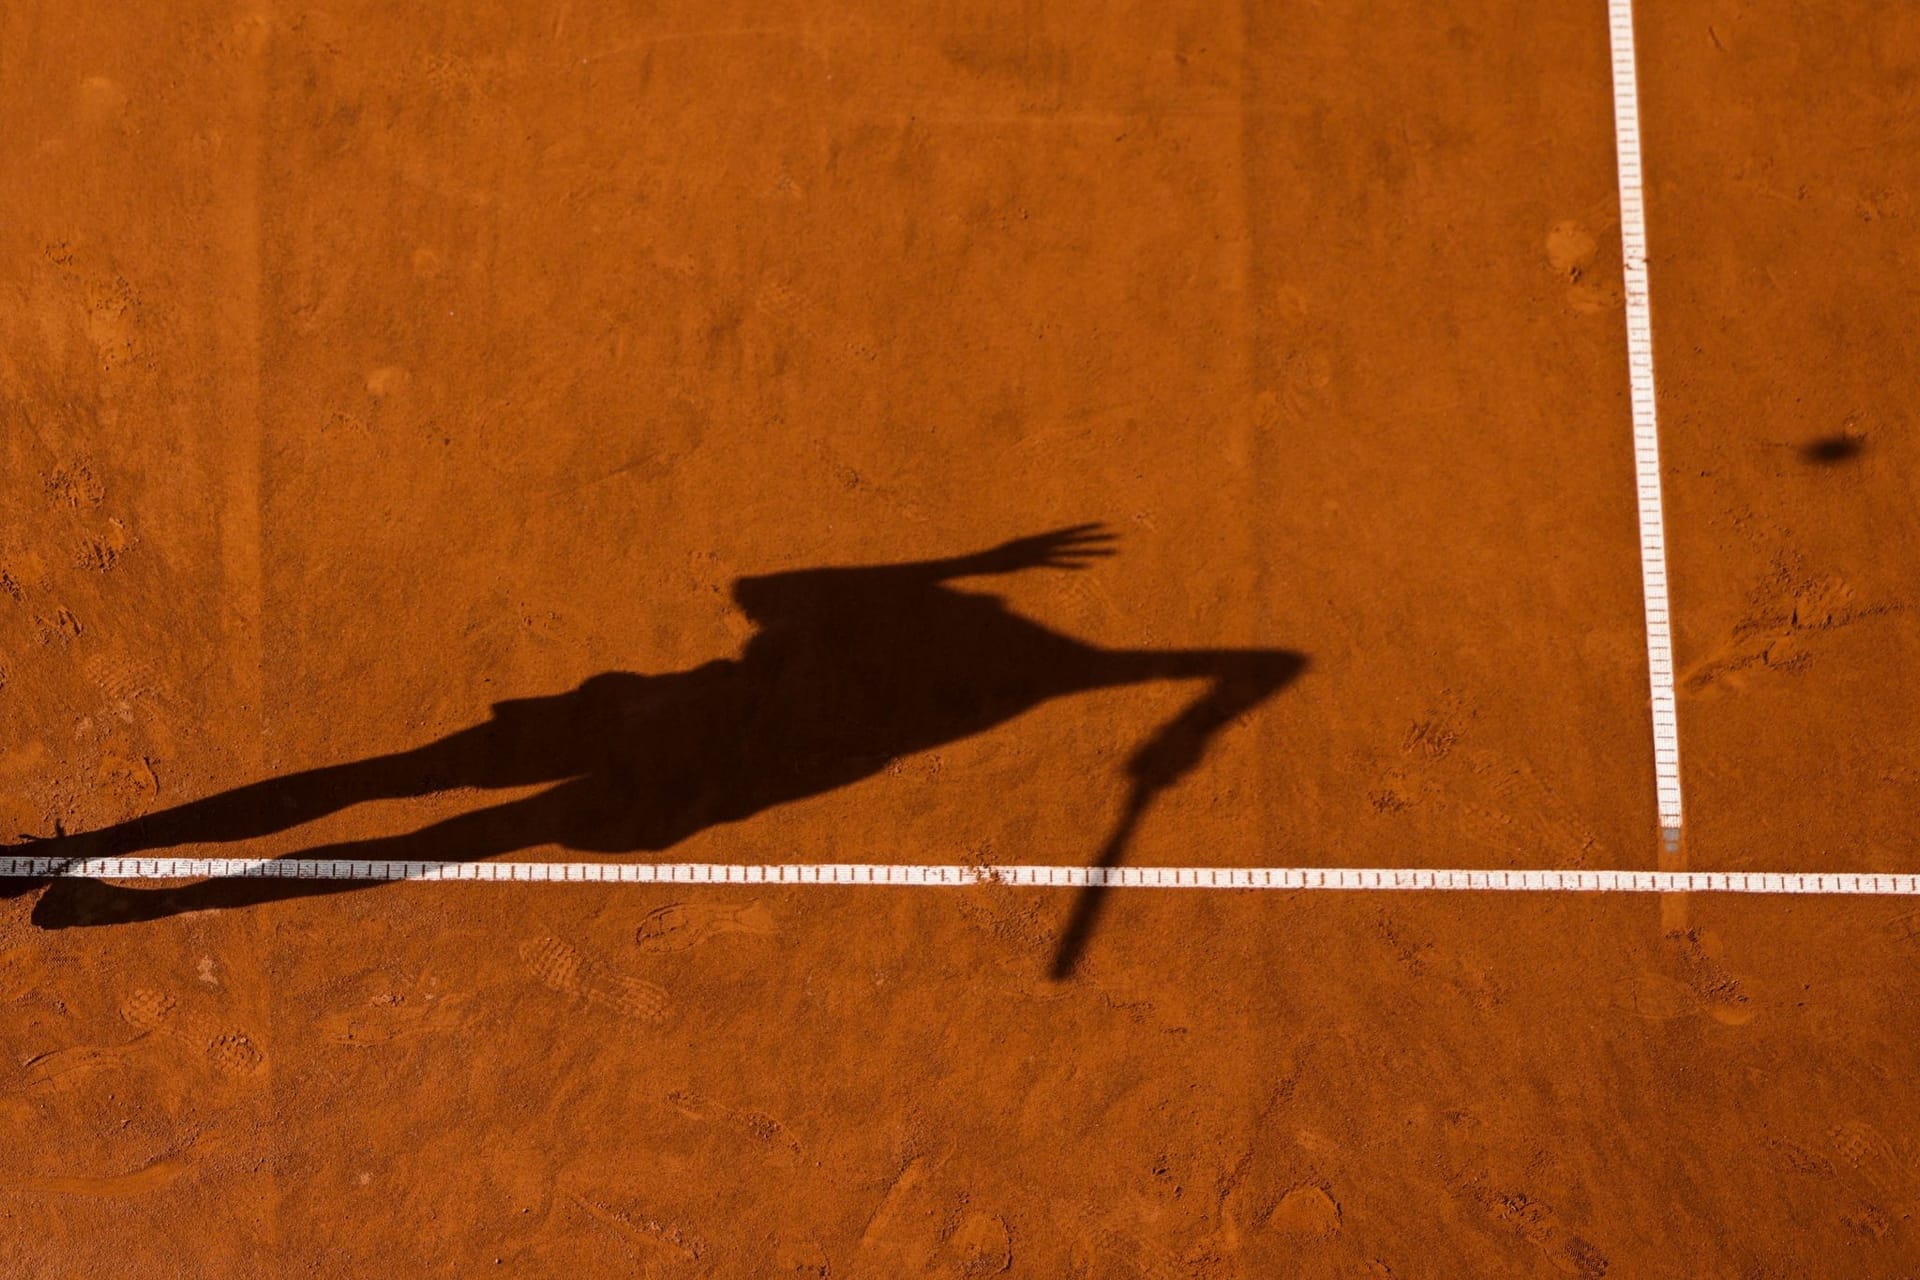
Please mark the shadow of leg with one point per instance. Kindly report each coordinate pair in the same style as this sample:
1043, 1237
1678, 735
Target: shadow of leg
470, 837
40, 852
277, 804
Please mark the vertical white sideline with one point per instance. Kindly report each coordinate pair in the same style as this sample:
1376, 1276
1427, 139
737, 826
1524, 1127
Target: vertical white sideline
1646, 435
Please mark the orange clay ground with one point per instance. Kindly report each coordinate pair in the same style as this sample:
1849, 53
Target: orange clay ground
365, 366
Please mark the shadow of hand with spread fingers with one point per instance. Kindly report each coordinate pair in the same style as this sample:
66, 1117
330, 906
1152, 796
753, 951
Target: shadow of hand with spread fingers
849, 668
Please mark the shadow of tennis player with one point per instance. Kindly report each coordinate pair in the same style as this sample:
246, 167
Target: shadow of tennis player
849, 668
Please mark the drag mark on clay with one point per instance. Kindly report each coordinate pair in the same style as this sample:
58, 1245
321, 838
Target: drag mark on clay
154, 1176
681, 926
1789, 615
56, 1068
666, 1243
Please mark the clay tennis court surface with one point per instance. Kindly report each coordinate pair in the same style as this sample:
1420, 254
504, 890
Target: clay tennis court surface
366, 366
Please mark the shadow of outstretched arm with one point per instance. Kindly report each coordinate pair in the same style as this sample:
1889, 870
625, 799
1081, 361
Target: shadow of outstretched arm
772, 598
1242, 680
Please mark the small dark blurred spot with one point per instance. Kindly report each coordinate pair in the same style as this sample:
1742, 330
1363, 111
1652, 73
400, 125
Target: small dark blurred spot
1831, 449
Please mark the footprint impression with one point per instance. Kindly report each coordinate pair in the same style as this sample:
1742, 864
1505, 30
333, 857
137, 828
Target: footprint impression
583, 977
228, 1050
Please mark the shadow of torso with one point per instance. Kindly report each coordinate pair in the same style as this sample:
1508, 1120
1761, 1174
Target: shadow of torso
843, 676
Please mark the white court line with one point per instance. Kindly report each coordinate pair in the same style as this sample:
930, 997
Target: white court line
883, 874
1646, 435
